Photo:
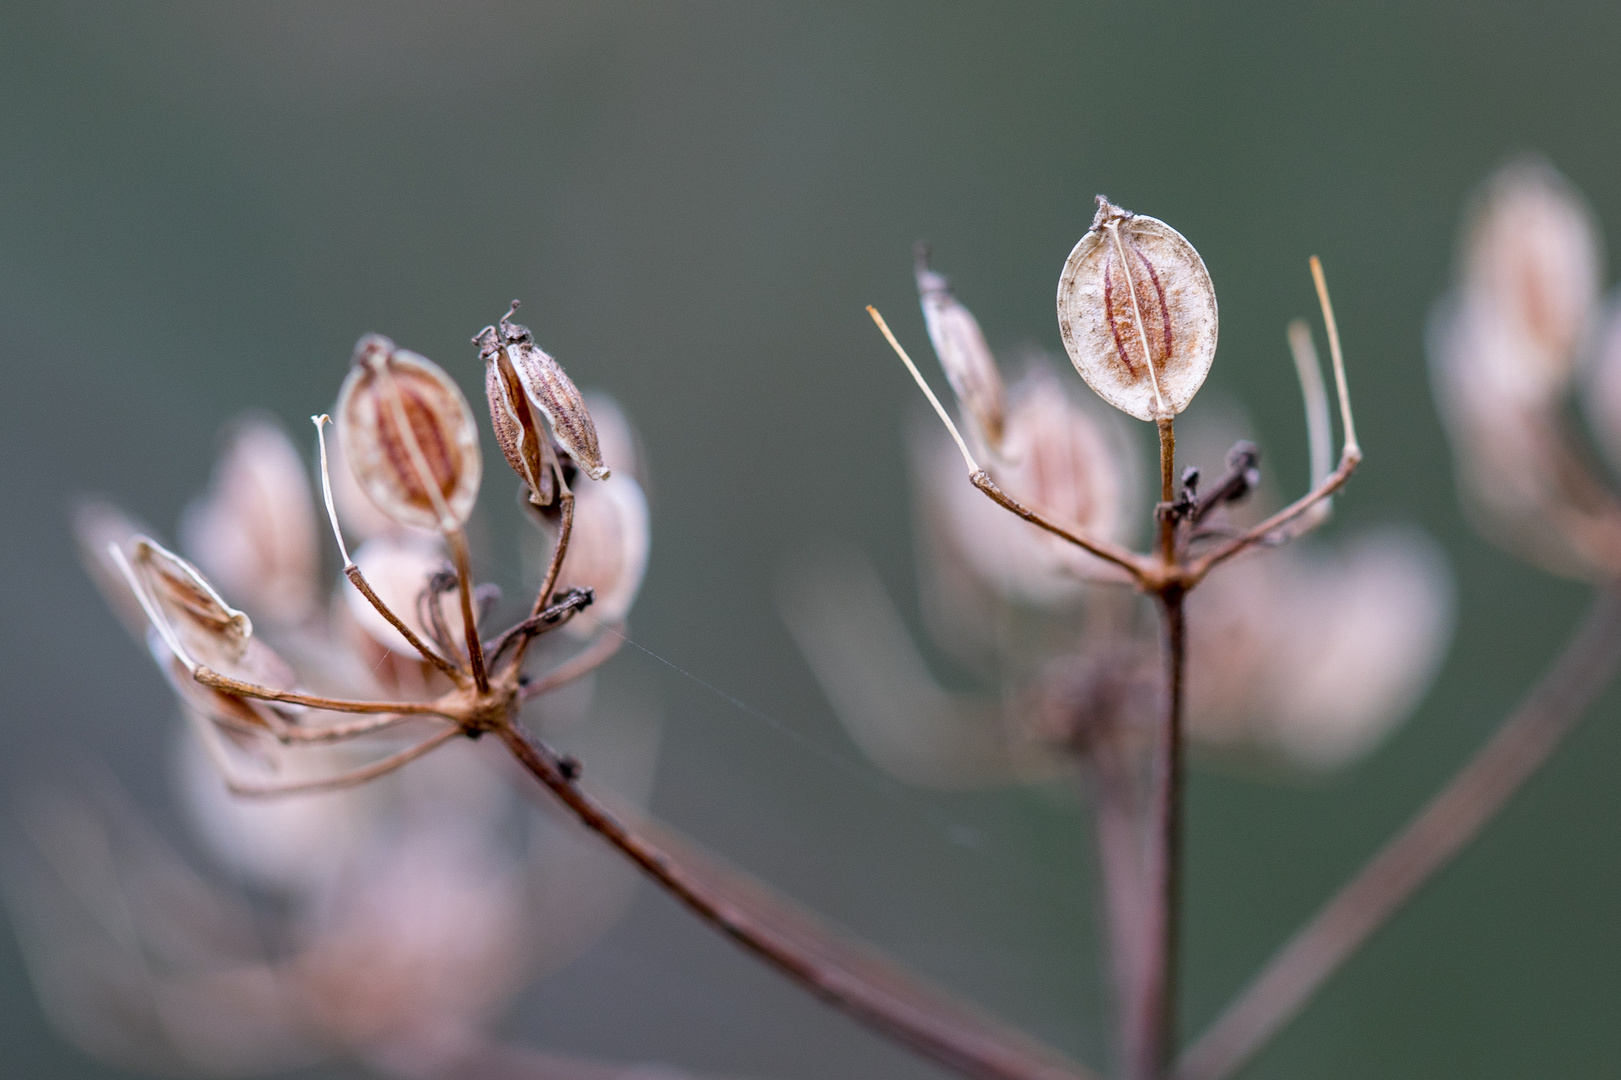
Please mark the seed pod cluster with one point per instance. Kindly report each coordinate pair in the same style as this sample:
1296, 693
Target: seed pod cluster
409, 437
1138, 313
521, 379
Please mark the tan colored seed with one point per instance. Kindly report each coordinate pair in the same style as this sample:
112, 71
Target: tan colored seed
409, 437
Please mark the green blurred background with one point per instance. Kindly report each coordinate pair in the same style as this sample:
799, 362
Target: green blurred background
204, 205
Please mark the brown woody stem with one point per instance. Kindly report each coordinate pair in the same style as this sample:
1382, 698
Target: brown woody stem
358, 580
1446, 824
464, 586
1150, 1018
955, 1046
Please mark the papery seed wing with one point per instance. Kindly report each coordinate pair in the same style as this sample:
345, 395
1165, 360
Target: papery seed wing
409, 436
1138, 314
969, 365
522, 441
552, 392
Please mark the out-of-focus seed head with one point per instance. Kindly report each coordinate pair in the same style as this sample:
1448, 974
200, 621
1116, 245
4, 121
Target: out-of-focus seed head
520, 377
958, 341
1138, 313
1530, 266
254, 531
1311, 659
409, 437
1060, 458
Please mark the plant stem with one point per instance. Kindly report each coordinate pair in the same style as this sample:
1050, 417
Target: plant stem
1149, 1021
1447, 823
966, 1048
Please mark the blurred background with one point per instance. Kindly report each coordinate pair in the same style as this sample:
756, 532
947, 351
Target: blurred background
204, 206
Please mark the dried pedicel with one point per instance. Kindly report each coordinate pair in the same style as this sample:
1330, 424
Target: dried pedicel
960, 344
409, 437
516, 363
1138, 313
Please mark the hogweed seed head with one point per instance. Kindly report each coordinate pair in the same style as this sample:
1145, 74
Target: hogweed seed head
958, 341
521, 378
1138, 313
409, 437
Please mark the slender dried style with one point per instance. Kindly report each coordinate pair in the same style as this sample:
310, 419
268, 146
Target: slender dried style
1448, 822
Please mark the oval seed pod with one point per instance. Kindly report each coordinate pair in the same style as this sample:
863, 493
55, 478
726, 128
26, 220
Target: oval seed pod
969, 365
511, 348
409, 437
1138, 313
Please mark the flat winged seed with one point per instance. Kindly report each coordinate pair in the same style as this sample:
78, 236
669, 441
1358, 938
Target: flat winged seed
409, 437
1138, 313
194, 626
548, 389
969, 365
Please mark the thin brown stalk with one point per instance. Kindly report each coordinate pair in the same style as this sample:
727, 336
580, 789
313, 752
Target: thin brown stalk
1122, 557
210, 677
464, 585
1446, 824
353, 778
554, 568
359, 581
964, 1048
1264, 532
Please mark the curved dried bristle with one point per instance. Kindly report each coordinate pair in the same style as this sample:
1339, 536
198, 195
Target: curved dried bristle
409, 437
1138, 313
969, 365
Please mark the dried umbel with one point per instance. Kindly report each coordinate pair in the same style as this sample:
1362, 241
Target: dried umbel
965, 357
521, 379
1138, 313
409, 437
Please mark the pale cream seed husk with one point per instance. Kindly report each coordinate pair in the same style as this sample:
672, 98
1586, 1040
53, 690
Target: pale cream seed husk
1173, 292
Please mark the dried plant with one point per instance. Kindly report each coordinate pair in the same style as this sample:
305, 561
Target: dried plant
1304, 656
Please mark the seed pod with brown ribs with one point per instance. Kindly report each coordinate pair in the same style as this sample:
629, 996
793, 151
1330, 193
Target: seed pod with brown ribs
409, 437
1138, 313
522, 379
966, 358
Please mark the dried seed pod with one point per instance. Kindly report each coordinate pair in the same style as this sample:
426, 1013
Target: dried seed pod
255, 531
958, 341
514, 362
194, 627
1138, 313
409, 437
1530, 267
